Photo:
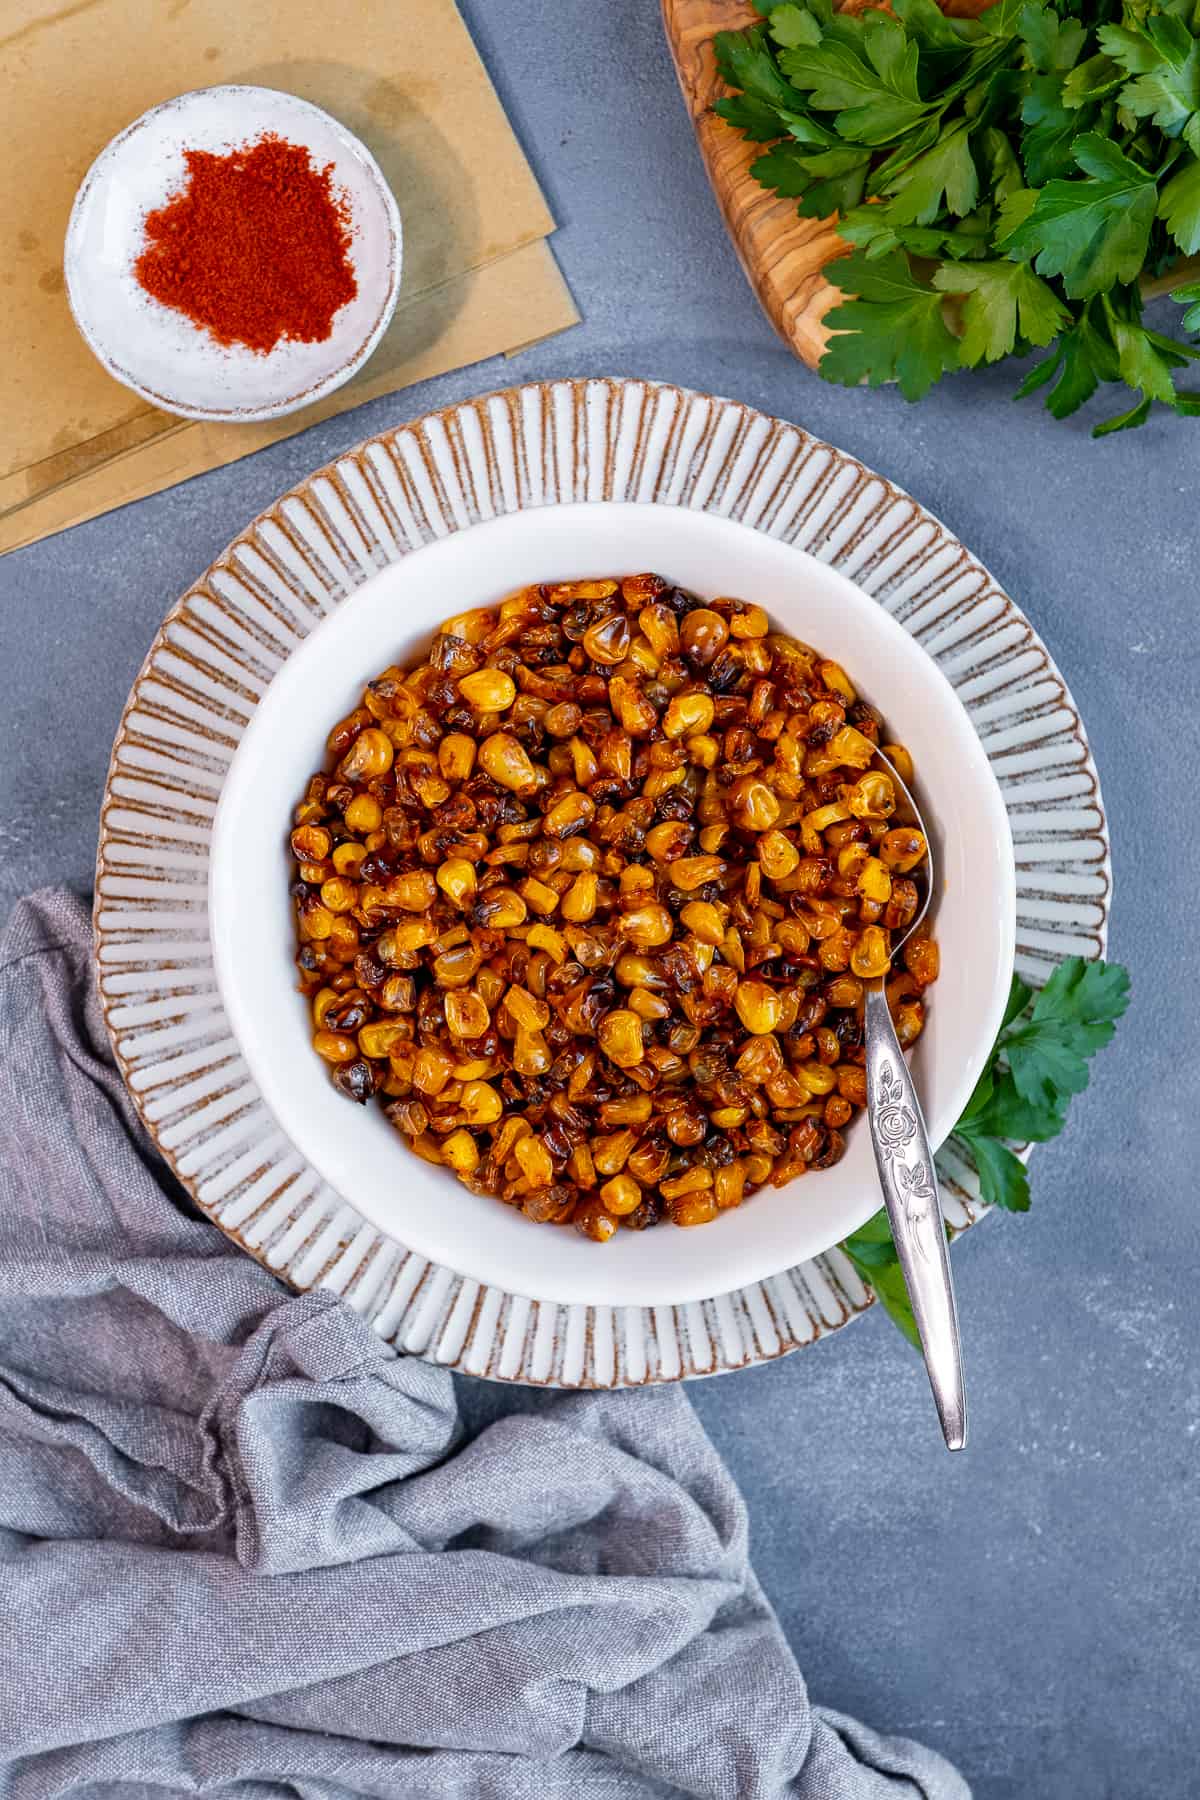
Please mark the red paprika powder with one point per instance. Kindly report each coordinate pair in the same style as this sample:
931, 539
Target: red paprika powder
254, 249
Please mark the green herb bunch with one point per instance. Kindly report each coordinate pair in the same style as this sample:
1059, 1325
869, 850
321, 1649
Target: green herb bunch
1038, 1062
1020, 181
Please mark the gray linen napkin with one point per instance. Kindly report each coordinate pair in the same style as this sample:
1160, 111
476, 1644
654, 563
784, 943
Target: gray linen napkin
246, 1550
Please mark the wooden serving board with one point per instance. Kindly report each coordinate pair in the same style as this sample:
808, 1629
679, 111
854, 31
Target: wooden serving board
784, 256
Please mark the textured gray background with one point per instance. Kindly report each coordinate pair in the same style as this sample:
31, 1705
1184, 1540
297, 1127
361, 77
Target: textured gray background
1028, 1607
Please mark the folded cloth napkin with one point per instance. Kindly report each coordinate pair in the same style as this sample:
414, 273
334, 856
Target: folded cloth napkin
246, 1550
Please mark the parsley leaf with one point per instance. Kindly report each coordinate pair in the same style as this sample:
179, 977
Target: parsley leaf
1166, 61
875, 99
1003, 1178
947, 169
1189, 296
893, 330
1095, 232
1003, 301
1179, 207
1074, 1016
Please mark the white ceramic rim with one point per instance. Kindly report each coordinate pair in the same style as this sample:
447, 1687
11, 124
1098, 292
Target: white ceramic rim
532, 446
398, 1194
318, 390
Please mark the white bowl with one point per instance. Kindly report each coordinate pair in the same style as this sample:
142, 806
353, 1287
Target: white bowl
391, 619
156, 350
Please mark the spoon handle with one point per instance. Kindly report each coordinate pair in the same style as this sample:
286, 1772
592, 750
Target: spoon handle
909, 1183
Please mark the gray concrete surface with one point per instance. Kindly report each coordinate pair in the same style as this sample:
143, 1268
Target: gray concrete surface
1029, 1607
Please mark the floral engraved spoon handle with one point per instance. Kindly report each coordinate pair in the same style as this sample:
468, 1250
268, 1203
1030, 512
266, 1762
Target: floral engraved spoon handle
906, 1175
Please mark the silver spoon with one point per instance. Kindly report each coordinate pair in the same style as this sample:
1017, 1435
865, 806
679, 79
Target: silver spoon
908, 1178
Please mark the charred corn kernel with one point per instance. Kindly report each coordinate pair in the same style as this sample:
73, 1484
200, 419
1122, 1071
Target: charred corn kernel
647, 1005
335, 1046
901, 761
574, 812
611, 1151
455, 967
621, 1195
364, 814
564, 720
593, 1219
500, 908
872, 796
431, 1071
874, 882
531, 1053
456, 878
620, 1038
694, 1209
544, 937
692, 872
749, 622
851, 748
466, 1015
348, 859
504, 759
323, 999
488, 690
687, 714
480, 1104
903, 848
537, 896
728, 1118
526, 1011
838, 682
703, 634
752, 805
922, 960
311, 844
380, 1039
580, 1166
871, 955
579, 901
634, 1109
704, 921
456, 756
338, 894
460, 1152
758, 1006
729, 1184
372, 753
646, 927
777, 855
536, 1163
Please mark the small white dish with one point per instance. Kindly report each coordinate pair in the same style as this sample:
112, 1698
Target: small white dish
159, 352
391, 618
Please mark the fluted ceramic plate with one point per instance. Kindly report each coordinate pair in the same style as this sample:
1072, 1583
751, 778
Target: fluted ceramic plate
218, 650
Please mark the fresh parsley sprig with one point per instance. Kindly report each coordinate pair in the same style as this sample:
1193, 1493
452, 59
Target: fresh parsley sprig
1009, 183
1038, 1063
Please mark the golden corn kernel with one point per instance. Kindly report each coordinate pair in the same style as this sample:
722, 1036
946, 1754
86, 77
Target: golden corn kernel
691, 1181
728, 1118
583, 762
455, 967
647, 927
480, 1103
621, 1195
323, 999
372, 753
901, 761
903, 848
692, 872
688, 713
526, 1011
758, 1006
660, 628
338, 894
504, 759
838, 682
634, 1109
456, 878
851, 748
311, 844
579, 901
415, 892
466, 1015
817, 1077
634, 711
349, 858
574, 812
335, 1046
471, 626
852, 860
460, 1152
535, 1160
647, 1005
922, 959
611, 1151
608, 640
703, 635
729, 1184
749, 622
777, 855
364, 813
544, 937
752, 805
500, 908
632, 970
537, 896
380, 1039
431, 1071
669, 840
874, 882
531, 1053
456, 755
488, 690
872, 797
694, 1209
703, 919
580, 1166
620, 1037
871, 955
427, 1147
